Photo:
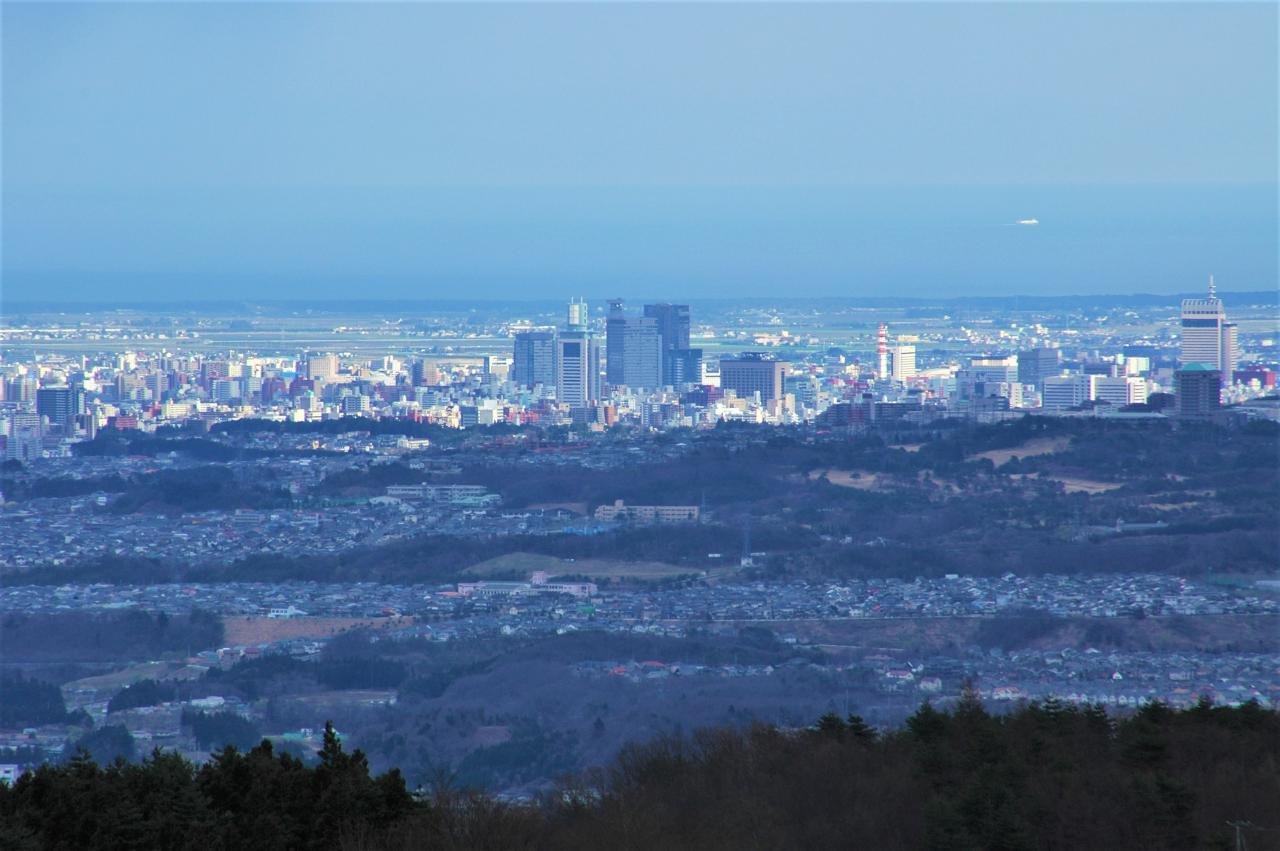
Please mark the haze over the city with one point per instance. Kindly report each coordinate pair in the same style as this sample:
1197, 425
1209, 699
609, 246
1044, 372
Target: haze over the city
215, 151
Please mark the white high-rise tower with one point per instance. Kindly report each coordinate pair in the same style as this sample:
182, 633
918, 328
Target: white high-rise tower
1207, 337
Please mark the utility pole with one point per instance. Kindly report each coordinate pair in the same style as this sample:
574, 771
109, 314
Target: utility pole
1238, 825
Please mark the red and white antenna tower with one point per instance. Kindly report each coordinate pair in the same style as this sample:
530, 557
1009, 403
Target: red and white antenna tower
882, 351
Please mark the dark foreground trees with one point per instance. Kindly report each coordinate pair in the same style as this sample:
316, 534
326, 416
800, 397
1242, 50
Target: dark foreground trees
1046, 776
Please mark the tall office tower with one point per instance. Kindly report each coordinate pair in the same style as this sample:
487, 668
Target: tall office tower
751, 373
577, 369
59, 404
673, 329
579, 317
1197, 389
641, 353
1035, 365
903, 362
1207, 337
533, 359
882, 351
614, 347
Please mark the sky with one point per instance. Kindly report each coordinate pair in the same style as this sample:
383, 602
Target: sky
376, 150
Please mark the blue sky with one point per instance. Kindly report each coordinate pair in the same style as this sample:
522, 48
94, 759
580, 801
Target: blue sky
534, 150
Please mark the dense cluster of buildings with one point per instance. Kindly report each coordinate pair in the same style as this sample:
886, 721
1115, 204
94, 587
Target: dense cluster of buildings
648, 370
624, 609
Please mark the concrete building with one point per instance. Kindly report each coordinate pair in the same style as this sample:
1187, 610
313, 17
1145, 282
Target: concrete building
577, 369
1207, 337
673, 333
323, 368
467, 495
751, 373
903, 360
995, 369
639, 353
1035, 365
1119, 390
533, 360
25, 437
1198, 391
579, 316
539, 583
60, 404
1061, 392
647, 513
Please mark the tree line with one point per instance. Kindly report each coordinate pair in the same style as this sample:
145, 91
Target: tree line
1047, 775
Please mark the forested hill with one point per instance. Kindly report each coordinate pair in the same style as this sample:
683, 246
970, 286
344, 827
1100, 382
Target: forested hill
1045, 776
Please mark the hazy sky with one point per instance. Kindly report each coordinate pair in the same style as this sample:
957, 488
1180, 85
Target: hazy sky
184, 150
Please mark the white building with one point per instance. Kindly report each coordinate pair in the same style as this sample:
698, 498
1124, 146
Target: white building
577, 368
1119, 391
904, 362
1065, 391
1207, 337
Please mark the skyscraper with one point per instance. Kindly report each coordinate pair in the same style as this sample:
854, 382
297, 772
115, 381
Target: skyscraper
1207, 337
751, 373
673, 331
636, 350
533, 359
614, 345
577, 368
642, 353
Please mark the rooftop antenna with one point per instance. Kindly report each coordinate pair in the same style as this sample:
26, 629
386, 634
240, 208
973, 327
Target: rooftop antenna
1213, 288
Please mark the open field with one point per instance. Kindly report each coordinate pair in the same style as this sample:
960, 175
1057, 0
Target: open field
1074, 484
349, 698
1038, 446
848, 479
523, 564
117, 680
260, 630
